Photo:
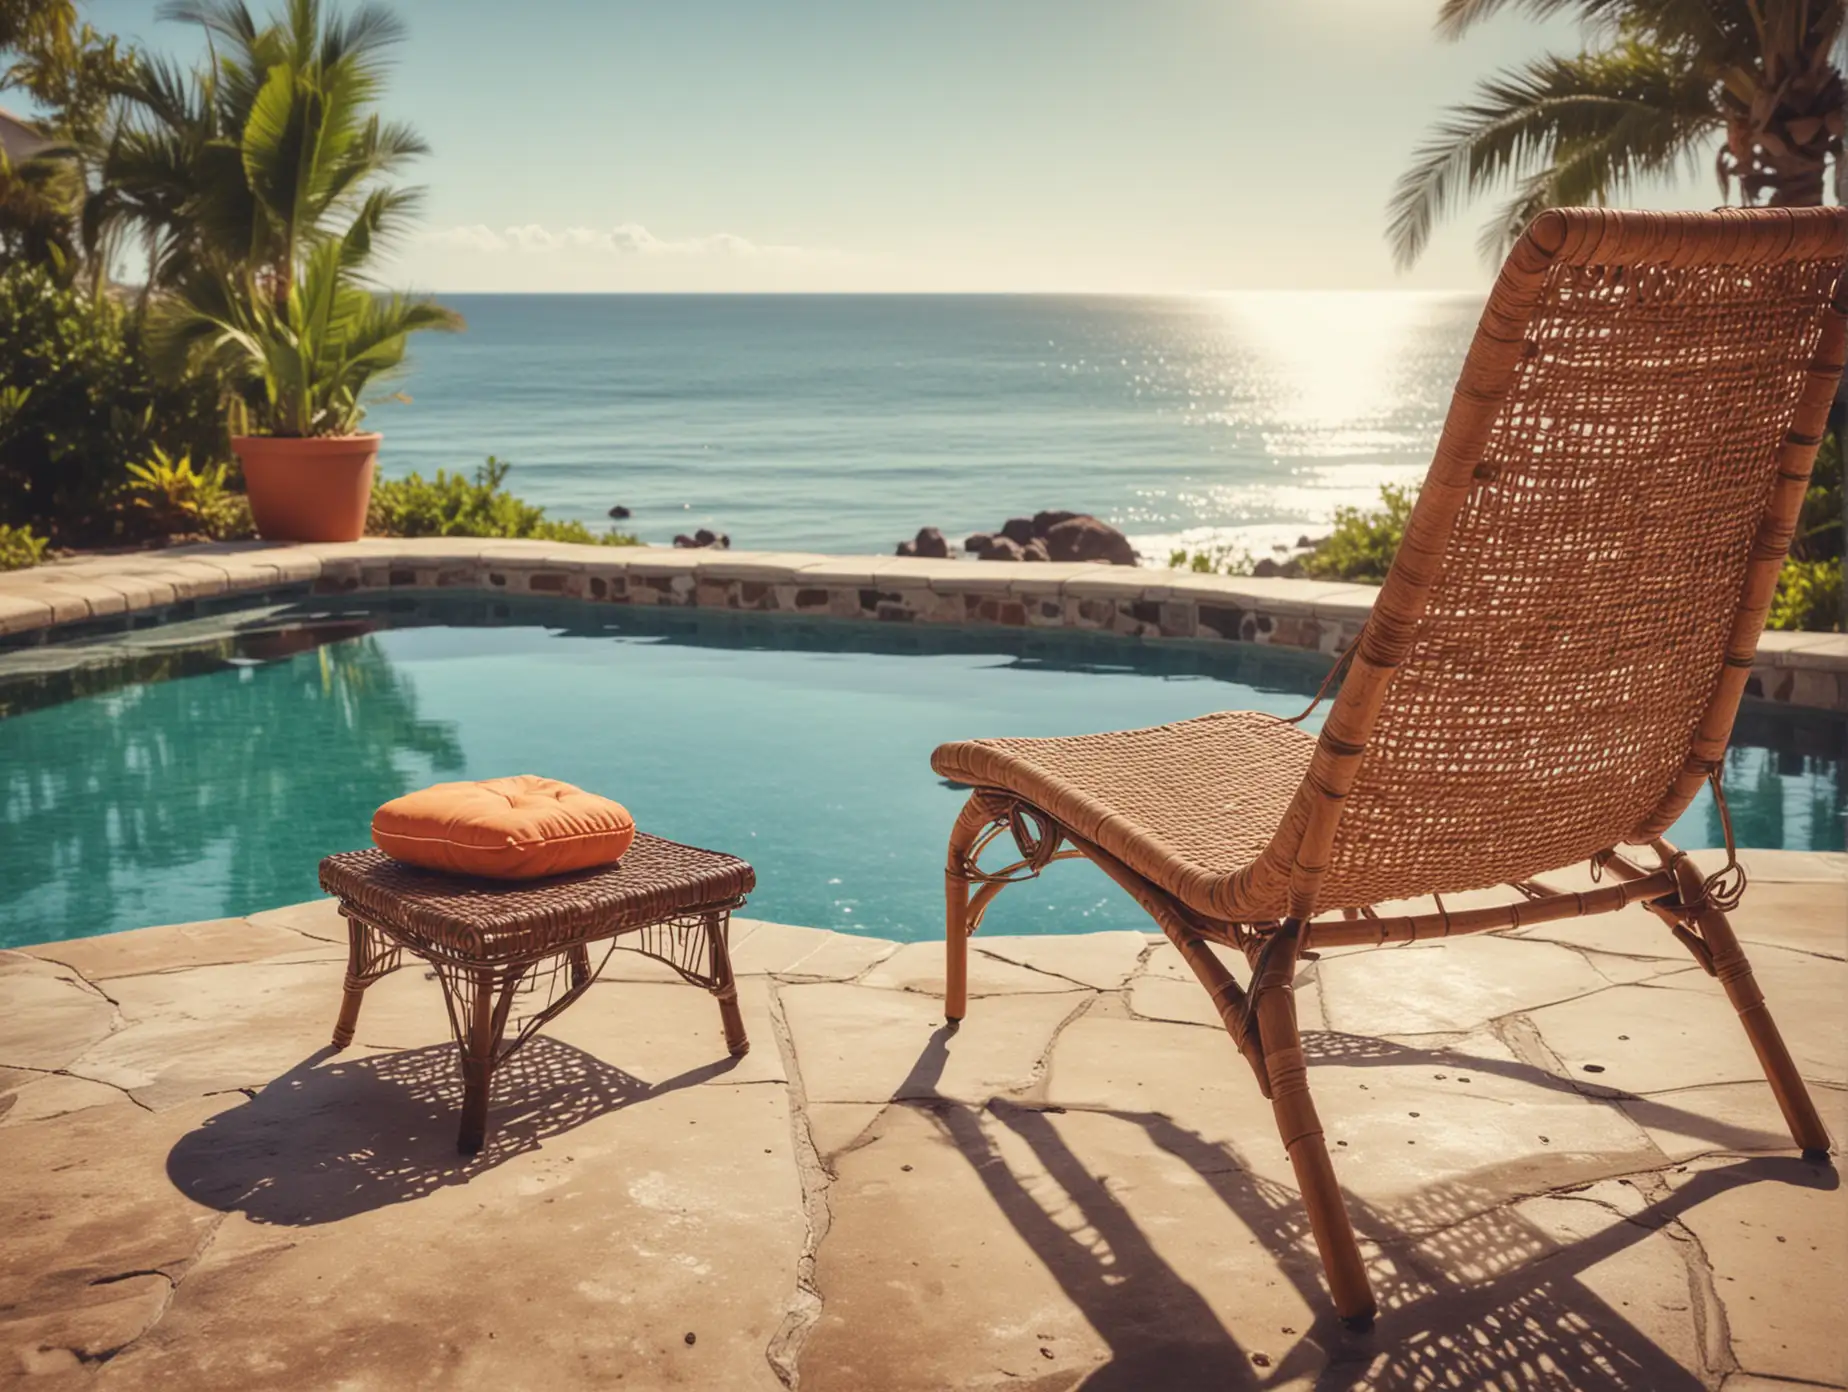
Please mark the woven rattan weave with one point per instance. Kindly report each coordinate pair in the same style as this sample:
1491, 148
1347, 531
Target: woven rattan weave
510, 957
1550, 672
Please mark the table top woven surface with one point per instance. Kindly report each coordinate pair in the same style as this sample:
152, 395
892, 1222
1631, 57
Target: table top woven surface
654, 880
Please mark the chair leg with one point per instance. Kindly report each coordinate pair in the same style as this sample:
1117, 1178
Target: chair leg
956, 925
1735, 975
725, 986
1301, 1130
369, 957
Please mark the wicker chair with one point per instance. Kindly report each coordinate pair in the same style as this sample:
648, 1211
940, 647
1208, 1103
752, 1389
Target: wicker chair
1550, 672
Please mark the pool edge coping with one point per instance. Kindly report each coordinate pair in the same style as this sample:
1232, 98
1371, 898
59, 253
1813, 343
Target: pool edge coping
1808, 670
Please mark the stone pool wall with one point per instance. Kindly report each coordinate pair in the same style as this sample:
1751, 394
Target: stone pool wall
1797, 669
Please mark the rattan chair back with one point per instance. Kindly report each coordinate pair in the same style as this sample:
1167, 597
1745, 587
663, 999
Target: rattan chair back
1556, 658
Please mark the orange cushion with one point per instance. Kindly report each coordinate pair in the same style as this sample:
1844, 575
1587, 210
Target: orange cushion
518, 828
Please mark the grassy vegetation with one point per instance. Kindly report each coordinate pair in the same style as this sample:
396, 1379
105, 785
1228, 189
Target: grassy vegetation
454, 505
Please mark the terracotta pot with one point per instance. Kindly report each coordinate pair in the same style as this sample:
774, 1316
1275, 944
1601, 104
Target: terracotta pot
308, 490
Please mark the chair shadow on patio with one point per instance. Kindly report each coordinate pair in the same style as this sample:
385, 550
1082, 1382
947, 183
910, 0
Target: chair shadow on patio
1326, 1047
1472, 1292
337, 1136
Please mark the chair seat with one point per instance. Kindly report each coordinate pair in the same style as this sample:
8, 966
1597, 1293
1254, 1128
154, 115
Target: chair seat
1184, 805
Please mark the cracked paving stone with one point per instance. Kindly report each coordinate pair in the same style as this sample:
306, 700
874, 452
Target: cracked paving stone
1550, 1292
1023, 1247
80, 1214
919, 967
783, 949
1102, 961
1774, 1231
1801, 917
1740, 1117
663, 1031
51, 1014
1186, 1002
864, 1044
214, 1028
1457, 985
26, 1095
213, 942
361, 1251
317, 918
1420, 1149
1687, 1035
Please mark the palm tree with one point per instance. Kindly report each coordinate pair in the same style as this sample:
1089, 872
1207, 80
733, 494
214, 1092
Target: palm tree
1661, 80
70, 73
259, 186
274, 150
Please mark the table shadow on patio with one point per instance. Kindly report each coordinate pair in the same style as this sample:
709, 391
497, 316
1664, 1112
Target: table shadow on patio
334, 1136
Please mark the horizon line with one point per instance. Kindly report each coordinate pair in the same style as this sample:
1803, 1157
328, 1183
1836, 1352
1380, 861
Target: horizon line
956, 294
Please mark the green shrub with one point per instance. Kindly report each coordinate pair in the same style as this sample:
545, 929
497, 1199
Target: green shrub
451, 505
1809, 596
78, 404
20, 547
1364, 540
181, 501
1809, 591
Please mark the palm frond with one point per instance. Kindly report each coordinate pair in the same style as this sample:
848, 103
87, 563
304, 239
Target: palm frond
367, 32
230, 19
1646, 108
1708, 23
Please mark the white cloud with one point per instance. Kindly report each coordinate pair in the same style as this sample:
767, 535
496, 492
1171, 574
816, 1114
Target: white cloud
624, 240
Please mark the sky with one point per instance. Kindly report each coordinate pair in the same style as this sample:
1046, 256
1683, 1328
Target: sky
1112, 146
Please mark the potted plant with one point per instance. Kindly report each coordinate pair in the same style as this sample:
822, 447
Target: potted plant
297, 375
260, 190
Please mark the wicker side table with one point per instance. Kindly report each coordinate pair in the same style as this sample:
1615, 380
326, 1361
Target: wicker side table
497, 945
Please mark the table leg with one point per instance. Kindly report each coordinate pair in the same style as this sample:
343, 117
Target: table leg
490, 994
370, 955
724, 986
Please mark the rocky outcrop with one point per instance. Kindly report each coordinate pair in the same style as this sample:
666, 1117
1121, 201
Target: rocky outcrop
929, 544
1053, 536
703, 537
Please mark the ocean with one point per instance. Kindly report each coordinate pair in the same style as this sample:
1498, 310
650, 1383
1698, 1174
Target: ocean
844, 423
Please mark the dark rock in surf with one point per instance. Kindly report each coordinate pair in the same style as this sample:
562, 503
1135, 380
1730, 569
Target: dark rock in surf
1044, 522
1019, 530
1084, 538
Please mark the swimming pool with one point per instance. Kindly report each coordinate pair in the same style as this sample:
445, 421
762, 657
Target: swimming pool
202, 769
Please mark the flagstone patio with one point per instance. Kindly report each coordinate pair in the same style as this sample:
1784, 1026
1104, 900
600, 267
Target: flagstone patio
1562, 1159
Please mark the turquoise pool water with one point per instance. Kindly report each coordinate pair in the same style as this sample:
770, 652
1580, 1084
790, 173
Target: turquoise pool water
202, 770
